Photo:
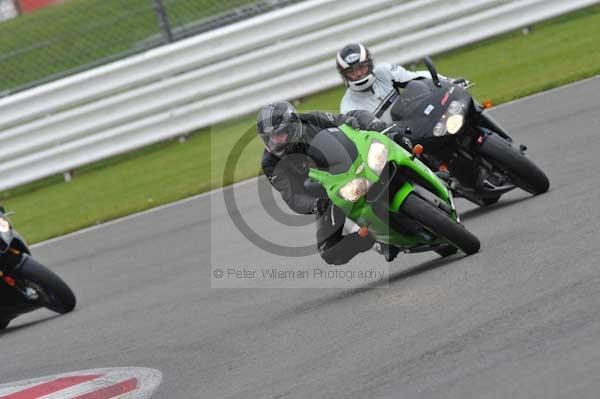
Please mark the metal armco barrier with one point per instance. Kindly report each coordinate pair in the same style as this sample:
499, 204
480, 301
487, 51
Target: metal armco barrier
229, 72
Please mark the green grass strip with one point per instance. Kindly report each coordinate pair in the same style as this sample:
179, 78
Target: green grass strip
557, 52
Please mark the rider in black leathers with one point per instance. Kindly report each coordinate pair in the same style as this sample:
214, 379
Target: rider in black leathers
287, 135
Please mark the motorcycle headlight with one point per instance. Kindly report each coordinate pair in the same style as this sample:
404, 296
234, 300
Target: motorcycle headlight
377, 157
455, 108
355, 189
4, 226
455, 123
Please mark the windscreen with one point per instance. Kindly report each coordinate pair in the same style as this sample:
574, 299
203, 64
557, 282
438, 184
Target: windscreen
413, 99
420, 107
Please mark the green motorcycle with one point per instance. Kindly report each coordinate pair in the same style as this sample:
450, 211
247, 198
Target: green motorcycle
387, 191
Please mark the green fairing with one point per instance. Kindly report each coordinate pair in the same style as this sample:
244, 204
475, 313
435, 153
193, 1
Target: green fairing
361, 212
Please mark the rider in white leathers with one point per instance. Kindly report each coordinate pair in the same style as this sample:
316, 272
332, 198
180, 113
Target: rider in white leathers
371, 88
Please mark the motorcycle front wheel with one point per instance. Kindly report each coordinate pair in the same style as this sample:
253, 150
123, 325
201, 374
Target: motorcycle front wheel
441, 224
3, 323
55, 294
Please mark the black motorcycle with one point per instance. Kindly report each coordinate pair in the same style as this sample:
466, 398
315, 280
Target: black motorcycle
473, 153
25, 284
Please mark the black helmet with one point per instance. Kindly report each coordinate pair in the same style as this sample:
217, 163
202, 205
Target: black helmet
279, 127
355, 64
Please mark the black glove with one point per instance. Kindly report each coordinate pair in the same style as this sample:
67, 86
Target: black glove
320, 205
353, 122
377, 126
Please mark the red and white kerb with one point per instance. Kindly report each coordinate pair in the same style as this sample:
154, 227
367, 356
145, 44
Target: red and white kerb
113, 383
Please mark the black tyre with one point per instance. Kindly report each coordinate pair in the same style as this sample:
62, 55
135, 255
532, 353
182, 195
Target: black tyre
446, 251
491, 201
521, 169
56, 294
440, 224
3, 323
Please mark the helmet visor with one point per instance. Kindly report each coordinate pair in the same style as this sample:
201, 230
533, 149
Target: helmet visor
357, 71
278, 140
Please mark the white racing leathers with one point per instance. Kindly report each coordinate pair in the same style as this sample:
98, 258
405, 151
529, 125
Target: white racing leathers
379, 97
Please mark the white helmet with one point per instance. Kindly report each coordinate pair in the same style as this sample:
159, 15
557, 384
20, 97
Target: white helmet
355, 64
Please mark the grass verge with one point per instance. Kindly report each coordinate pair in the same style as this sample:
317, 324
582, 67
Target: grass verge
557, 52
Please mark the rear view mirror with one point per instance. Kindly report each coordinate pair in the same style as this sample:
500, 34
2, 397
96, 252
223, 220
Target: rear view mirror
431, 68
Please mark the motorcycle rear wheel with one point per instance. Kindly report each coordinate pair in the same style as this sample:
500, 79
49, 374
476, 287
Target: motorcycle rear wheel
523, 172
440, 224
490, 201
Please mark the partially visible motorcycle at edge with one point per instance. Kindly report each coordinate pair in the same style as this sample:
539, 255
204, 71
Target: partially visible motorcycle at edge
26, 284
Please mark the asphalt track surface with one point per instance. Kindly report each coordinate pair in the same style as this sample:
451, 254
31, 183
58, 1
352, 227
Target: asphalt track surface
521, 319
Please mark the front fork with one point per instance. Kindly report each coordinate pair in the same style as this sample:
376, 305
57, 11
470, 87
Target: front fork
12, 260
487, 122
